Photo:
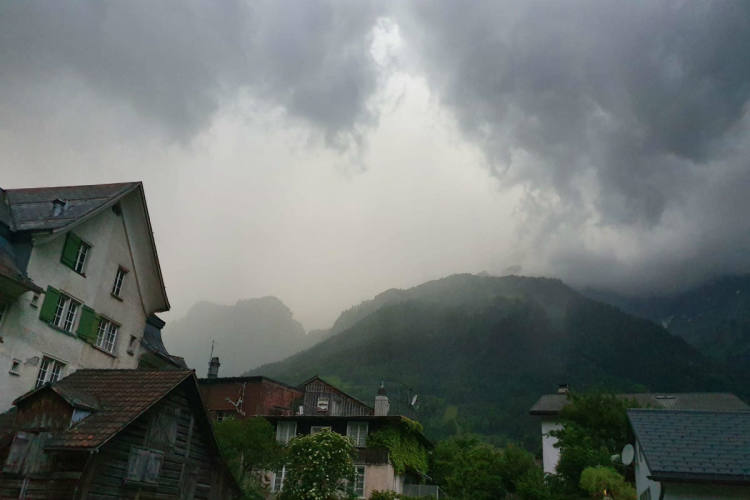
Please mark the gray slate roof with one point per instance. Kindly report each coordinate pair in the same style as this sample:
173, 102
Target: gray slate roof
694, 445
32, 209
551, 404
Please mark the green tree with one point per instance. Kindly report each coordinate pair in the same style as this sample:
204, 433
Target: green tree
595, 428
603, 481
317, 467
467, 468
248, 446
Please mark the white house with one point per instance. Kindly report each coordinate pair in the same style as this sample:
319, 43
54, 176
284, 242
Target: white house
79, 276
691, 454
548, 408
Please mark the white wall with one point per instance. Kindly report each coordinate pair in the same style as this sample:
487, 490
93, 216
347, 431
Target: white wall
382, 477
27, 338
550, 454
642, 482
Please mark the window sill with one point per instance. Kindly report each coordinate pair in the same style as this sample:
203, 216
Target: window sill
66, 332
116, 297
103, 351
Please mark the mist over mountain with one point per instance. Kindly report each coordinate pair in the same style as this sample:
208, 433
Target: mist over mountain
479, 350
713, 317
246, 334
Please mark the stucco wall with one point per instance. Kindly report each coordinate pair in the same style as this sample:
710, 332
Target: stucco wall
27, 338
550, 454
642, 482
382, 477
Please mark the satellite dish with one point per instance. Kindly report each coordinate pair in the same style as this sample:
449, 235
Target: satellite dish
628, 453
413, 401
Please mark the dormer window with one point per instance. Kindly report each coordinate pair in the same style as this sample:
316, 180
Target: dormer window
75, 253
58, 207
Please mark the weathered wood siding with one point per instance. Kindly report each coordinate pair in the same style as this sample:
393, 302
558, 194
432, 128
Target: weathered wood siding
189, 469
339, 404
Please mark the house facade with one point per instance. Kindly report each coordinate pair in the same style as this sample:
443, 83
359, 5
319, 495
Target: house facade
375, 470
79, 277
691, 454
100, 434
548, 408
244, 397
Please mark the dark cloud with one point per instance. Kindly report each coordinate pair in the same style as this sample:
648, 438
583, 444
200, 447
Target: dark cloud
174, 62
617, 116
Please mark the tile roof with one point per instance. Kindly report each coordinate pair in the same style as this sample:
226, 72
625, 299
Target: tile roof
694, 445
32, 209
551, 404
120, 396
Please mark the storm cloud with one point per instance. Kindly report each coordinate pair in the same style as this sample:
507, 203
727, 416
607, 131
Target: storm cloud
349, 147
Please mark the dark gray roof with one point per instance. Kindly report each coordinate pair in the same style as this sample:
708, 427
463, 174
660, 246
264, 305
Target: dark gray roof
551, 404
152, 340
684, 445
32, 209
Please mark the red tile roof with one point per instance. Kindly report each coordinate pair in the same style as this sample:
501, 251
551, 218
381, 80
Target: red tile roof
121, 396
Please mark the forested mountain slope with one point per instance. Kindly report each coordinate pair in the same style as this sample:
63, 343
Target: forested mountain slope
480, 350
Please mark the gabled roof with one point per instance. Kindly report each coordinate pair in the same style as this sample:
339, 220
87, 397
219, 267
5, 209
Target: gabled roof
117, 397
55, 210
244, 379
33, 209
705, 446
551, 404
317, 377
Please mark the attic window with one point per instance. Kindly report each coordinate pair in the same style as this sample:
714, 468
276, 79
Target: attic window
322, 403
58, 206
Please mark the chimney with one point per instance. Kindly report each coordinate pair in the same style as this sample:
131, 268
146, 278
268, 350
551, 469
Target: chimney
563, 389
213, 367
382, 403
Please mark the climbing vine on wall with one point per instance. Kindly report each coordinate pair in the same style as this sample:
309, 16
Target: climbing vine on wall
404, 445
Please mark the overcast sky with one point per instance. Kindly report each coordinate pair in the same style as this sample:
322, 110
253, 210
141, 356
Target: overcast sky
323, 152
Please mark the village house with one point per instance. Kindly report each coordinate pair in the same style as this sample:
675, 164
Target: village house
548, 408
691, 454
243, 397
375, 469
100, 434
79, 282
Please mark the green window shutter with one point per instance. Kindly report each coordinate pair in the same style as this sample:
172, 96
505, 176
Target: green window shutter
49, 306
88, 324
70, 250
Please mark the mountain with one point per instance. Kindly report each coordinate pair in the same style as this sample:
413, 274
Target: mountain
713, 317
246, 334
480, 350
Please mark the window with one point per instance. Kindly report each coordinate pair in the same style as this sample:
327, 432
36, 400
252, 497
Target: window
78, 415
278, 480
34, 300
314, 429
106, 335
50, 371
75, 253
223, 416
322, 403
162, 433
285, 431
357, 432
66, 312
144, 465
131, 344
359, 481
15, 367
119, 277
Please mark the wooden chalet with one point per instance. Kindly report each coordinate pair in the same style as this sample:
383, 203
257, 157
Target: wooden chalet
322, 398
106, 434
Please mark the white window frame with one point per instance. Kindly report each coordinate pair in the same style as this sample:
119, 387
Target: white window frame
323, 403
314, 429
106, 335
119, 279
80, 263
280, 476
50, 370
66, 312
358, 487
285, 431
355, 432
